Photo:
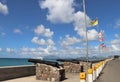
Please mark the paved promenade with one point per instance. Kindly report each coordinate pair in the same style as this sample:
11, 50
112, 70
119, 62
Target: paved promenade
111, 72
72, 77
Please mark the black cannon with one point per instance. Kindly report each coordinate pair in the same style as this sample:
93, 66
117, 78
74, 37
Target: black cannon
52, 63
69, 60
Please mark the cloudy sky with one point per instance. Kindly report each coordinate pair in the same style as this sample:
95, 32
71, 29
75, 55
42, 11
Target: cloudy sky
34, 28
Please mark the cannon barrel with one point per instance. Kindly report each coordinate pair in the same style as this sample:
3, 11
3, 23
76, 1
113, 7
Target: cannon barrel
55, 64
69, 60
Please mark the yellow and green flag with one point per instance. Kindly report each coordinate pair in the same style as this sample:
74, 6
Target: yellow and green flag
94, 22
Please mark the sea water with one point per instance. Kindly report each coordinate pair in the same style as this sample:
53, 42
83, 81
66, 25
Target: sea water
19, 61
14, 62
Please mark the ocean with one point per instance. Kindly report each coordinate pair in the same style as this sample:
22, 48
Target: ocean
14, 62
23, 61
19, 61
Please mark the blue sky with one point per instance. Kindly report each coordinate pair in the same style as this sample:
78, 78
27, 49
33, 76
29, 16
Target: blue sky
34, 28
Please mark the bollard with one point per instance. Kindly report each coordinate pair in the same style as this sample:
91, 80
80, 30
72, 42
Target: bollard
82, 75
90, 65
98, 69
82, 69
104, 63
90, 75
101, 66
94, 73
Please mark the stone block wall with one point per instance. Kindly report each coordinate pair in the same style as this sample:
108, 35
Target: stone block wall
71, 67
75, 68
49, 73
85, 65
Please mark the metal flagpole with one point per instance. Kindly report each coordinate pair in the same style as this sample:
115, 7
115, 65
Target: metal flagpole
84, 8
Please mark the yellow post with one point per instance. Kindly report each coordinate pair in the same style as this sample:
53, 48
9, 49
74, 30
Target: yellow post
95, 67
90, 75
90, 71
82, 77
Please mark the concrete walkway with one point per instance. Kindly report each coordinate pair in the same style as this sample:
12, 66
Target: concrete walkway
72, 77
111, 72
25, 79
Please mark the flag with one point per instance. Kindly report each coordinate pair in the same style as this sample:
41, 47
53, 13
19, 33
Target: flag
100, 36
101, 39
103, 45
94, 22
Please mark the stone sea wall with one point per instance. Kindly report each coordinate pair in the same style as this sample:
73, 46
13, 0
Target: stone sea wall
13, 72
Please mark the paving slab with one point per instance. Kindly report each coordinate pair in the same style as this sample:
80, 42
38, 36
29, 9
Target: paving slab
70, 77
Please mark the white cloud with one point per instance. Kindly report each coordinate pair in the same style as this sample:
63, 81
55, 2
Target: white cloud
92, 34
79, 20
8, 49
17, 31
115, 41
0, 49
63, 11
71, 52
3, 9
46, 43
117, 24
115, 47
24, 49
117, 36
115, 44
41, 30
69, 41
42, 41
38, 41
80, 28
38, 51
50, 42
51, 50
2, 33
11, 50
59, 11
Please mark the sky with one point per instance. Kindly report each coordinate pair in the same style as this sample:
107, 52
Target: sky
35, 28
